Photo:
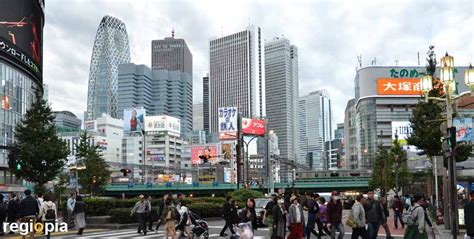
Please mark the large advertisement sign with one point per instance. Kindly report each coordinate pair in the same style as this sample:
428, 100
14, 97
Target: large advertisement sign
209, 153
162, 123
253, 126
133, 119
90, 125
403, 130
227, 120
463, 129
226, 152
21, 29
398, 86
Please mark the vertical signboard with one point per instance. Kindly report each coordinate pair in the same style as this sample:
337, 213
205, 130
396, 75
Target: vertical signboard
134, 119
463, 129
227, 120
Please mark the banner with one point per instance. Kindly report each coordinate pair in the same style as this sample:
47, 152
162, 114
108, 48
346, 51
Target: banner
90, 125
227, 120
133, 119
398, 86
253, 126
463, 129
162, 123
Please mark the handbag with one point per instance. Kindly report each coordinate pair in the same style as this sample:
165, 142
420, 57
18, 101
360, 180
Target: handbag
351, 222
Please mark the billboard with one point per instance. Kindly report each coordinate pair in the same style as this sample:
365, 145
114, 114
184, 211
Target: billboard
398, 86
227, 122
253, 126
21, 33
208, 151
133, 119
463, 129
162, 123
226, 151
90, 125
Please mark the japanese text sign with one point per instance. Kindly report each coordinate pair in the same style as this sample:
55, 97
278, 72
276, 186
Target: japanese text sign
398, 86
227, 122
253, 126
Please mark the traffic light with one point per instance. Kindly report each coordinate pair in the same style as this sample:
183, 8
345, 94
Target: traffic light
452, 137
18, 164
125, 171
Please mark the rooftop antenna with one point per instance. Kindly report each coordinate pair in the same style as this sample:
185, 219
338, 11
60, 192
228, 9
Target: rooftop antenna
418, 53
172, 33
396, 60
359, 59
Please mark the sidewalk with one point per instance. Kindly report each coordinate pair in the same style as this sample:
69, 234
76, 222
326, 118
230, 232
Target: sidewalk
442, 233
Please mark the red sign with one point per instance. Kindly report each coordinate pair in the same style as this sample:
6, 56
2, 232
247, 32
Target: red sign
208, 151
253, 126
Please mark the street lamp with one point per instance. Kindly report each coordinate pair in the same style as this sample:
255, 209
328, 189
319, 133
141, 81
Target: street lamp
447, 78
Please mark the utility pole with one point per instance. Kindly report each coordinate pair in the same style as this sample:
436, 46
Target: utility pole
239, 149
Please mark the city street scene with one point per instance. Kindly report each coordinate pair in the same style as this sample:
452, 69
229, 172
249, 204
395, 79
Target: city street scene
237, 119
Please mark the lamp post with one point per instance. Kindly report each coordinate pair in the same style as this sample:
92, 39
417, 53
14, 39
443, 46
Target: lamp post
447, 78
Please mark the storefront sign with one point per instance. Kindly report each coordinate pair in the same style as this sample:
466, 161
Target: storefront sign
398, 86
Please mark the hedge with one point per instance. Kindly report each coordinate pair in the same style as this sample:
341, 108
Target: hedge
121, 216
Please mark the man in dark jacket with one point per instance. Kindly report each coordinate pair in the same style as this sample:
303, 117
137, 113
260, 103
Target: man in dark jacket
313, 209
3, 214
29, 209
374, 215
334, 211
228, 211
469, 215
13, 209
397, 206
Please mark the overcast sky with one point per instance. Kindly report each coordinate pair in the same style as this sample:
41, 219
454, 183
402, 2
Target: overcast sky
329, 36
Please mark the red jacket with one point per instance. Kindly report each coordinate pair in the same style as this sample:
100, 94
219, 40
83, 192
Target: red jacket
334, 211
397, 205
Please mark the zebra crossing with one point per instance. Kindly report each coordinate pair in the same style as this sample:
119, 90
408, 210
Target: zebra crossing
128, 233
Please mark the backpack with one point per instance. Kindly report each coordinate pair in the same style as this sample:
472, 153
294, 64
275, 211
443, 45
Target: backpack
170, 213
408, 218
50, 214
351, 222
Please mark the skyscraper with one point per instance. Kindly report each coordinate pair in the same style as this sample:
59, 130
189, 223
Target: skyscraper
281, 76
198, 119
315, 126
160, 92
237, 74
110, 50
206, 103
171, 54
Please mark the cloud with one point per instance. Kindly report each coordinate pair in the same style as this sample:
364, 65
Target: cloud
329, 36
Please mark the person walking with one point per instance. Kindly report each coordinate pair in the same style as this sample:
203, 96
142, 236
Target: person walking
469, 216
160, 212
373, 215
29, 210
417, 215
70, 208
334, 212
185, 221
169, 218
3, 213
13, 209
319, 223
296, 219
313, 210
324, 215
279, 219
79, 215
141, 210
386, 214
268, 213
248, 214
151, 217
397, 206
359, 217
48, 212
228, 212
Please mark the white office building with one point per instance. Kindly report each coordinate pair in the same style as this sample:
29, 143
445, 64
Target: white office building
237, 74
315, 127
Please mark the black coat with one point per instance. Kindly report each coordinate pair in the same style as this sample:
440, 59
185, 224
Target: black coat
13, 210
230, 212
469, 218
29, 207
251, 217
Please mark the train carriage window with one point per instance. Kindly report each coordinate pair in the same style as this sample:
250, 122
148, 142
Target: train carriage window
354, 174
334, 174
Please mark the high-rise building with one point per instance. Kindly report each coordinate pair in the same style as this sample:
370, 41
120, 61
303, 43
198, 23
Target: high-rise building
135, 88
66, 121
350, 138
171, 54
198, 118
21, 57
160, 92
281, 86
206, 104
315, 126
110, 50
237, 74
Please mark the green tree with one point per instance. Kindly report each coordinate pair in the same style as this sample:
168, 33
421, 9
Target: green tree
399, 156
38, 155
60, 186
382, 170
97, 174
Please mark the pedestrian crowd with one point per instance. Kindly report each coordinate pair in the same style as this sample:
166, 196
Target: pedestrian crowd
38, 209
